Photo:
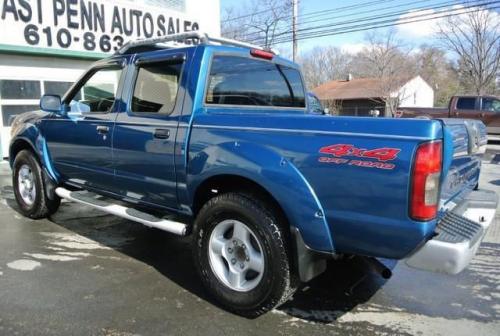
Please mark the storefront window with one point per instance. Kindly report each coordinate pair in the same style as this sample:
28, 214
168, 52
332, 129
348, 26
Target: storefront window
20, 89
56, 88
10, 111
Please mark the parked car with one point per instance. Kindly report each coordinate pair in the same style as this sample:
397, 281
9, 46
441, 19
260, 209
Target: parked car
484, 108
216, 141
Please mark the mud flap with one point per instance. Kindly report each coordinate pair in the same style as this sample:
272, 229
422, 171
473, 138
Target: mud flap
309, 263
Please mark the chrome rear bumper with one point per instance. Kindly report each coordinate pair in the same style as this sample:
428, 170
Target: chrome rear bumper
458, 235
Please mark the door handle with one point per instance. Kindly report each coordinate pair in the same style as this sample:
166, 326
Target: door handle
162, 133
102, 129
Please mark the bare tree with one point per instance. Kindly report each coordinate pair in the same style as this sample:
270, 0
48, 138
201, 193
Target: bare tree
474, 37
386, 58
261, 22
437, 70
323, 64
234, 24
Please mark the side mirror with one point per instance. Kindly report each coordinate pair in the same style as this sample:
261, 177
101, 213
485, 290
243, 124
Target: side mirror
374, 113
51, 103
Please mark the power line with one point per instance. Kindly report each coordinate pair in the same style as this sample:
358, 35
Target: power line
371, 11
349, 8
250, 14
373, 20
344, 8
387, 15
389, 23
311, 14
376, 25
256, 35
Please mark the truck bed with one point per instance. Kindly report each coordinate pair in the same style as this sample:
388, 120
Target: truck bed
365, 200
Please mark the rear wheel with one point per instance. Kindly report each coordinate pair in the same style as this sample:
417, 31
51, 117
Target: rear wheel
241, 254
29, 187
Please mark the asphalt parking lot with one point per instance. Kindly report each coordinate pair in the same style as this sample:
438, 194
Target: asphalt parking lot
86, 273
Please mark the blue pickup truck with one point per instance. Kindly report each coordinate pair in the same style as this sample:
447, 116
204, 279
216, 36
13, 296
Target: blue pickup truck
214, 139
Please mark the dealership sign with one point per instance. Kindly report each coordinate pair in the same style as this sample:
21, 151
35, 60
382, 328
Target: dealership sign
87, 26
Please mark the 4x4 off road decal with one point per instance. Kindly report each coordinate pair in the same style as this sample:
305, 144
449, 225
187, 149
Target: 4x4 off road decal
339, 151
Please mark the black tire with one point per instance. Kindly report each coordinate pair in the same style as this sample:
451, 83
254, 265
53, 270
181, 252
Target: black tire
278, 282
42, 206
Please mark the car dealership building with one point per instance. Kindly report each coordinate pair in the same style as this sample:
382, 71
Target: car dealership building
45, 45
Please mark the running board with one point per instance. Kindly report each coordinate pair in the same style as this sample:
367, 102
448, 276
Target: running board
89, 199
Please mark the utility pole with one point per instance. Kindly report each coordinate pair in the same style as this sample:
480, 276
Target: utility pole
294, 27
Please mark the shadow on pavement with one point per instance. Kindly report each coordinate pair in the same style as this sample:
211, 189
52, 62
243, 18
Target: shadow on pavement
341, 288
346, 284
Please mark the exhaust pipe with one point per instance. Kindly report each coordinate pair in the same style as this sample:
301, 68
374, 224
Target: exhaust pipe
377, 267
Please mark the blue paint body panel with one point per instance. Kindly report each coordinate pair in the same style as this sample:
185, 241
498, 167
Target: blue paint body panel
337, 207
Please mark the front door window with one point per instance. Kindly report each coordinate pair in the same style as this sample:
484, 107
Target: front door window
98, 93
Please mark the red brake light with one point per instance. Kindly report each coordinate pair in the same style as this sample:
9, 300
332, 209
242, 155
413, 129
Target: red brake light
425, 181
262, 54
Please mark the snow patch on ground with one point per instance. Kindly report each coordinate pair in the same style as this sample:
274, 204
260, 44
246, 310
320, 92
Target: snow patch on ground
62, 247
72, 241
421, 324
52, 248
76, 254
51, 257
24, 265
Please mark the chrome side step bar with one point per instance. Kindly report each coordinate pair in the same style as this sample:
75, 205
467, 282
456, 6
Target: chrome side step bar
88, 198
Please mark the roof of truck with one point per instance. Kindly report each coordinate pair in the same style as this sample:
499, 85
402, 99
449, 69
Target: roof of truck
183, 40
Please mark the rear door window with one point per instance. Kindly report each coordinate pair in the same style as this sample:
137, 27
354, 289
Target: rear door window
156, 88
466, 103
244, 81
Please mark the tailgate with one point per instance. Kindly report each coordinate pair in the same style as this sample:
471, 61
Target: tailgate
465, 215
464, 145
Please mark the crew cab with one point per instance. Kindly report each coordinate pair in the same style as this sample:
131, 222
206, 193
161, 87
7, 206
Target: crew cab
215, 140
484, 108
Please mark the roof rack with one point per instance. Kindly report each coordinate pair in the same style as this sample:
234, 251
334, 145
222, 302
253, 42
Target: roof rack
195, 37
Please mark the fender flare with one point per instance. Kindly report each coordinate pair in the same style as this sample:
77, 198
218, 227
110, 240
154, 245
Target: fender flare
30, 135
276, 174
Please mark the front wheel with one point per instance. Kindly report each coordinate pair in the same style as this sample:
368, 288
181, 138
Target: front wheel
29, 187
242, 255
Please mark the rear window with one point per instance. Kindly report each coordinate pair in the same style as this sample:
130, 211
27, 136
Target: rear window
243, 81
466, 103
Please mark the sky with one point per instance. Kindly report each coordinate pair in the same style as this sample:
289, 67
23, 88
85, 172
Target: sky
412, 34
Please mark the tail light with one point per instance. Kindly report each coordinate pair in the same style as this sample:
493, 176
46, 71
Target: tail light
262, 54
425, 181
